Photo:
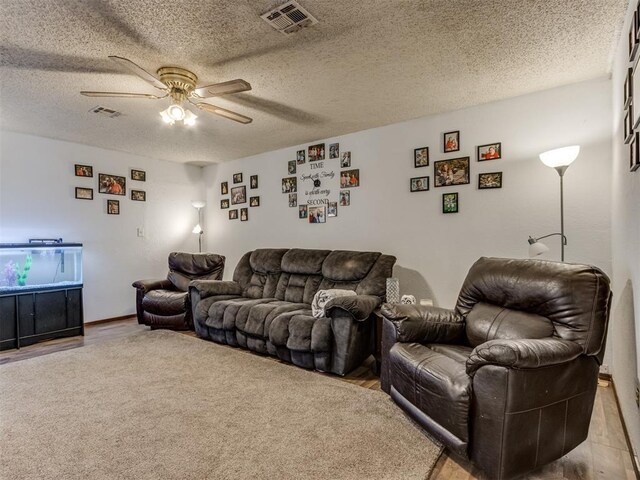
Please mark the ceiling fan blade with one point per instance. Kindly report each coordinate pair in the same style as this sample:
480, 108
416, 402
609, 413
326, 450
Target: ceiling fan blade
138, 70
223, 88
223, 112
119, 94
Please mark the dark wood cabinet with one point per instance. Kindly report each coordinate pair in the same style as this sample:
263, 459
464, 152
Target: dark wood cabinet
27, 318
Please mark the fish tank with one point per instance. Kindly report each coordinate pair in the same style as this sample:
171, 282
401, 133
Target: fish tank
28, 267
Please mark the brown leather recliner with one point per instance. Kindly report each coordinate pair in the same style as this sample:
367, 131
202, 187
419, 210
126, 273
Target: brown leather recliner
508, 378
166, 303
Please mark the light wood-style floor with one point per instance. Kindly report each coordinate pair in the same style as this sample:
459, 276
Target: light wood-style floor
603, 456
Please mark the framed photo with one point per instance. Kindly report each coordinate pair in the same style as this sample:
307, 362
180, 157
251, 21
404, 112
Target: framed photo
289, 185
420, 184
334, 150
345, 161
628, 89
332, 209
633, 37
449, 203
291, 167
238, 195
350, 178
139, 175
84, 193
253, 181
237, 178
421, 157
113, 207
451, 172
224, 188
300, 157
302, 211
491, 151
317, 214
634, 155
345, 198
316, 152
224, 203
451, 141
635, 87
112, 184
244, 214
84, 170
233, 214
138, 195
293, 199
489, 180
628, 124
254, 201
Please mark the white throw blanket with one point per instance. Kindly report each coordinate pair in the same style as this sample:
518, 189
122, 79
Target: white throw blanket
321, 298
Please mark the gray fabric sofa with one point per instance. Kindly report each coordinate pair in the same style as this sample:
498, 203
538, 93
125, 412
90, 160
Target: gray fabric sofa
267, 306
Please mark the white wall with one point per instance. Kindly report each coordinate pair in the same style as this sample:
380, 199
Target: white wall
37, 188
624, 331
434, 250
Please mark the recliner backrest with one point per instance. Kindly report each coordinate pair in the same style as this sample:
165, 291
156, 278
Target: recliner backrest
184, 267
521, 298
295, 275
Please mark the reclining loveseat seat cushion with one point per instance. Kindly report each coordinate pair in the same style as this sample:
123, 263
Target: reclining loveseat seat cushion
436, 383
165, 302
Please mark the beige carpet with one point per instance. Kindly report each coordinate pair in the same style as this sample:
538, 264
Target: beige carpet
161, 405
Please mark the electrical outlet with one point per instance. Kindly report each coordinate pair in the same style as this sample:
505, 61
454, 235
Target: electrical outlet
140, 231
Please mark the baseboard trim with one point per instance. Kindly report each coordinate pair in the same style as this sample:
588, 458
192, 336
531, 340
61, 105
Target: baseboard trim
634, 459
109, 320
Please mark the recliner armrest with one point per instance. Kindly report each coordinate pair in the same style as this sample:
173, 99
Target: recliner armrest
523, 353
360, 307
424, 324
148, 285
206, 288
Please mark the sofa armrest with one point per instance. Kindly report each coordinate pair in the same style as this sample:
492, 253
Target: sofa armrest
148, 285
424, 324
207, 288
360, 307
523, 353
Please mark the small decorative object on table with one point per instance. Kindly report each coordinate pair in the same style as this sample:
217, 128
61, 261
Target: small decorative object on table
393, 290
408, 300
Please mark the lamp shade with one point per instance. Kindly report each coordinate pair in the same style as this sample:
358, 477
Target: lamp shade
537, 248
198, 204
560, 157
197, 229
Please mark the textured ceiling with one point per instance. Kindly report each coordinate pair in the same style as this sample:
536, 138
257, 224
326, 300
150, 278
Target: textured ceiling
367, 63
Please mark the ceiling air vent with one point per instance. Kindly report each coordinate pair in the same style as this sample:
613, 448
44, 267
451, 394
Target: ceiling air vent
289, 18
104, 111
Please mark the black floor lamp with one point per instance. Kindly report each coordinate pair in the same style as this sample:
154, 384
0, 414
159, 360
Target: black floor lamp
560, 159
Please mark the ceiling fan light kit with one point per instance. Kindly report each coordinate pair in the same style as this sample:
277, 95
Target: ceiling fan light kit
180, 84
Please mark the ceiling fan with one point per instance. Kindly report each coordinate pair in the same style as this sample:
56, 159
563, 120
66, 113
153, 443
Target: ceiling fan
180, 85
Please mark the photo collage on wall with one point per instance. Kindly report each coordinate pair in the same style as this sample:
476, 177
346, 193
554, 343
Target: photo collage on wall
328, 206
238, 196
632, 93
450, 172
110, 184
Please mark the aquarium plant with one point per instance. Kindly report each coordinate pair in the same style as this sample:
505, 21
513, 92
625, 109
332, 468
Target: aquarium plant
10, 273
22, 275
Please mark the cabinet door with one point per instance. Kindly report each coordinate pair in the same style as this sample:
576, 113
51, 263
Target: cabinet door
26, 317
7, 320
74, 308
51, 312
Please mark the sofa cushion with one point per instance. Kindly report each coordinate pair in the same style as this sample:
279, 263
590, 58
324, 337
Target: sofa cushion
308, 262
435, 383
299, 330
459, 353
347, 266
258, 319
165, 302
201, 310
489, 322
223, 314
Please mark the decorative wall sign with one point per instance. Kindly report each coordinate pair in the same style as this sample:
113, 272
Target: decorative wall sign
489, 180
450, 203
84, 170
451, 141
451, 172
